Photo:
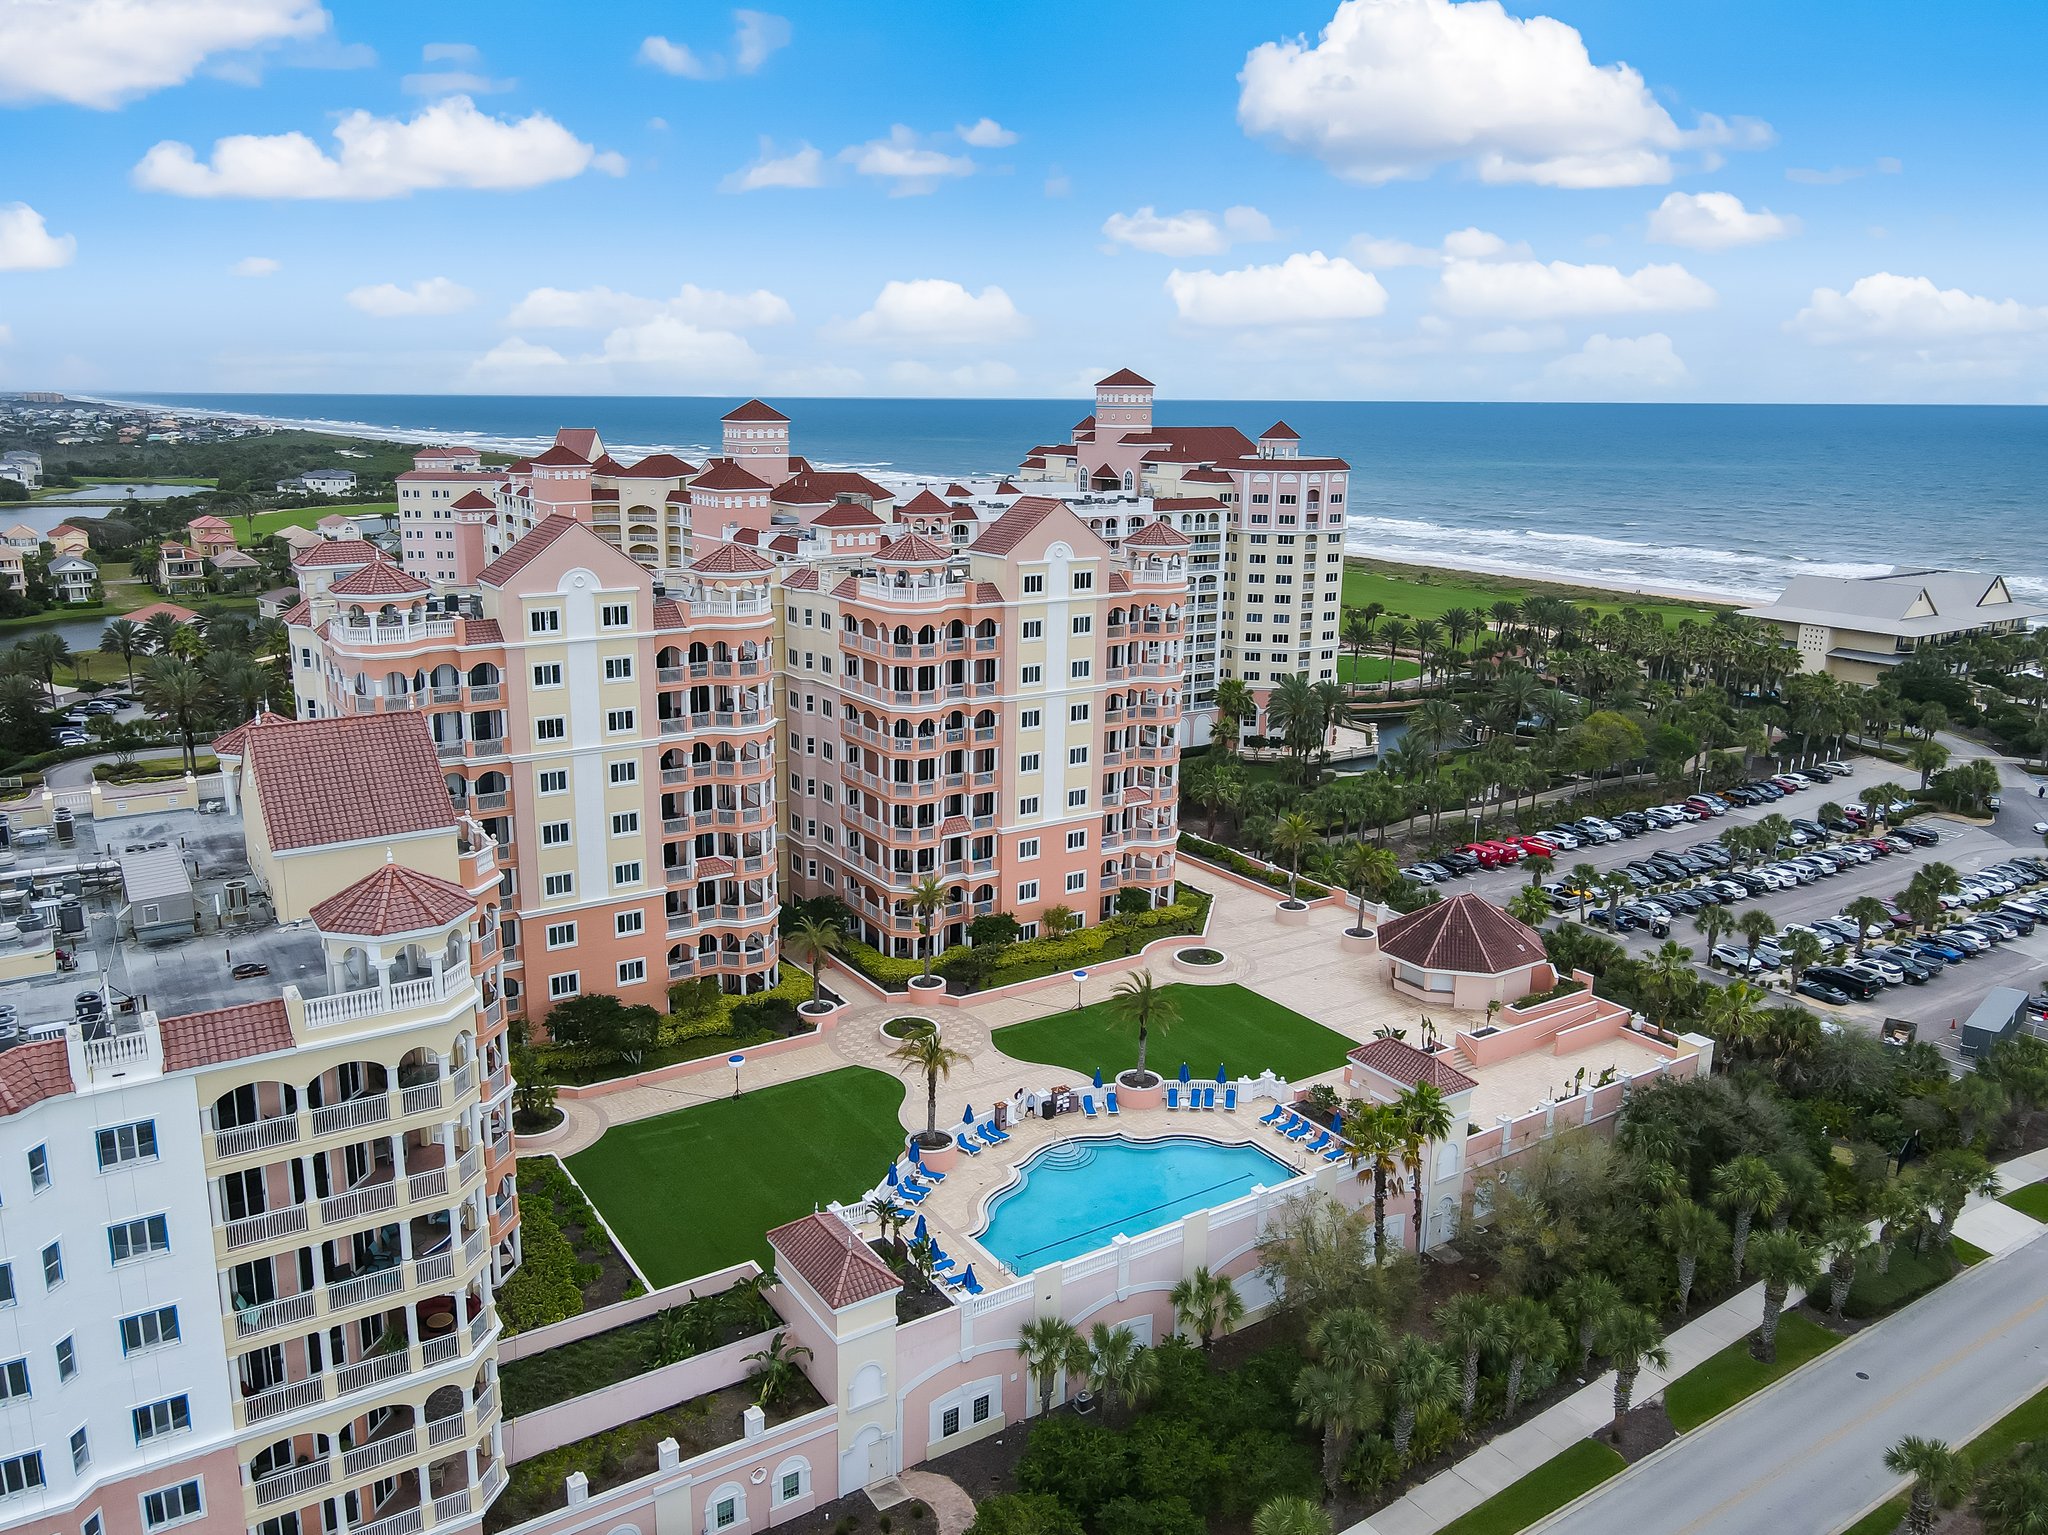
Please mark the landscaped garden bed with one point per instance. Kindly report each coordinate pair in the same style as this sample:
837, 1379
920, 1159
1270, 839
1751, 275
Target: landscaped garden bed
1199, 956
903, 1028
569, 1265
1229, 1024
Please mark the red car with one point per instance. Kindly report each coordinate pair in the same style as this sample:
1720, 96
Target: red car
1535, 847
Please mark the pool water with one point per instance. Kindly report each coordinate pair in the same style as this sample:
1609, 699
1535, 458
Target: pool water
1075, 1195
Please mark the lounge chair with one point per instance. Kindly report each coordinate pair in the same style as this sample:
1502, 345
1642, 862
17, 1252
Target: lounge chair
1173, 1097
929, 1174
973, 1286
1285, 1123
1109, 1102
1337, 1153
990, 1135
912, 1196
956, 1281
1088, 1104
1278, 1113
1230, 1100
1321, 1142
960, 1139
1209, 1099
1300, 1128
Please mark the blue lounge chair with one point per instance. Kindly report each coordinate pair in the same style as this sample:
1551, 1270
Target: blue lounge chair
1173, 1097
960, 1139
912, 1196
973, 1286
929, 1174
1337, 1153
1300, 1128
1209, 1099
1230, 1100
989, 1134
1284, 1123
1279, 1112
1320, 1143
1109, 1102
956, 1281
1088, 1104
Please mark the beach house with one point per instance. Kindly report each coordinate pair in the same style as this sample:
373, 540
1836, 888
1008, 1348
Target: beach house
1858, 627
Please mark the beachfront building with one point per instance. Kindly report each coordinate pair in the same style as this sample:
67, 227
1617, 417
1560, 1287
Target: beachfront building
1857, 628
1267, 521
617, 743
257, 1175
445, 503
1004, 719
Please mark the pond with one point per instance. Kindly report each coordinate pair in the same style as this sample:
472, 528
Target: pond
115, 494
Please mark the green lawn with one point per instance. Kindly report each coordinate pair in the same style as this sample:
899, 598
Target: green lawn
1720, 1382
1910, 1276
1416, 592
2031, 1200
271, 523
1370, 668
1239, 1028
1543, 1491
694, 1191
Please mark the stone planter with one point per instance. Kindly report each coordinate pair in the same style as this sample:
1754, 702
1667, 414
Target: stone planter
819, 1013
1359, 941
1291, 913
938, 1161
1129, 1097
927, 986
893, 1040
1180, 958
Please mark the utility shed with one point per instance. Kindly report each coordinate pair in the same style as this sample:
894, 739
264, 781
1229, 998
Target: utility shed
1995, 1018
157, 888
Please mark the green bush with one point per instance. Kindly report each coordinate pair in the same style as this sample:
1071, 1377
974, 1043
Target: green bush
1023, 1513
1370, 1464
548, 1284
1251, 868
1082, 1464
1149, 1516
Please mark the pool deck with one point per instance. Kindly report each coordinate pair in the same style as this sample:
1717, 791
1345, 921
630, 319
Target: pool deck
958, 1206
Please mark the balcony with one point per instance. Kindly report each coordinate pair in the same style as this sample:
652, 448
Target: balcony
367, 1377
397, 631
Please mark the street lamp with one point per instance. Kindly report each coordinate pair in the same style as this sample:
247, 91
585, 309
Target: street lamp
1079, 977
735, 1062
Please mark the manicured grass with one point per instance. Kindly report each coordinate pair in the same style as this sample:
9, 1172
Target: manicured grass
2031, 1200
1882, 1520
1415, 592
1543, 1491
1910, 1276
695, 1190
1720, 1382
1239, 1028
1370, 668
270, 523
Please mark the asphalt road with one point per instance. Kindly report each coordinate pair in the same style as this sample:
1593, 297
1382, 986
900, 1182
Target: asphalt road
1806, 1457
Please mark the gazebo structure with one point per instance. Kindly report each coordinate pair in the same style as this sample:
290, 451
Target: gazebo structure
1464, 953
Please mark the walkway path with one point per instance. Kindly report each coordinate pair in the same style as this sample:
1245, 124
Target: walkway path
1995, 1227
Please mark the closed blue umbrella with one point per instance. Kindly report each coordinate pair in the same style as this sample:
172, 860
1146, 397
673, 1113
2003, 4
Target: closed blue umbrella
968, 1282
916, 1155
967, 1115
892, 1175
921, 1233
1098, 1076
1219, 1071
1183, 1071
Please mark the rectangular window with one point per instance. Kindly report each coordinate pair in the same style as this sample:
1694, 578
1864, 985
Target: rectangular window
1034, 629
1084, 623
153, 1420
564, 985
632, 972
1028, 848
544, 621
13, 1379
1076, 755
626, 873
139, 1239
981, 1409
548, 675
94, 1525
1028, 763
553, 728
949, 1422
1033, 585
127, 1143
618, 668
1077, 841
1080, 670
619, 721
555, 781
625, 823
627, 923
81, 1451
625, 771
149, 1329
792, 1485
1028, 805
21, 1473
1077, 881
725, 1514
616, 615
1076, 798
1028, 720
1084, 580
561, 935
558, 885
172, 1505
1028, 891
67, 1358
1033, 675
1077, 713
53, 1266
554, 833
38, 1168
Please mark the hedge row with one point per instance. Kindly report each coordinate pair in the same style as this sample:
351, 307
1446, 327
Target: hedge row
548, 1284
1251, 868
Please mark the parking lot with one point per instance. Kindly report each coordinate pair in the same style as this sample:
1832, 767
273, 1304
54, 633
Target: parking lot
1937, 1005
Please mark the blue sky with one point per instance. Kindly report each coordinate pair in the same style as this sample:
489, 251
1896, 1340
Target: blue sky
1405, 199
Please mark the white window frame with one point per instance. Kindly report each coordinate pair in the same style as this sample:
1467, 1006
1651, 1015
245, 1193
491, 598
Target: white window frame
193, 1487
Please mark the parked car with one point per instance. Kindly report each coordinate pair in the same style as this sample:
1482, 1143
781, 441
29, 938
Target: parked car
1843, 978
1616, 919
1919, 836
1811, 985
1736, 957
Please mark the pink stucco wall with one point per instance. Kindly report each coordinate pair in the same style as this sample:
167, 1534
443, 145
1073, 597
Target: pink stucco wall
605, 1318
535, 1433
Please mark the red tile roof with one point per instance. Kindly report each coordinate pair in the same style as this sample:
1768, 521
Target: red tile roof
561, 457
1407, 1065
1253, 461
1007, 489
1158, 534
1467, 933
1015, 525
714, 868
1279, 431
31, 1073
335, 552
829, 1256
958, 492
1124, 377
393, 899
349, 778
528, 549
1197, 443
580, 440
229, 742
800, 581
298, 613
658, 466
144, 615
724, 474
225, 1034
1206, 476
1186, 504
923, 504
1119, 582
475, 501
605, 464
846, 514
912, 549
602, 493
814, 485
731, 560
753, 410
380, 578
987, 591
482, 631
211, 523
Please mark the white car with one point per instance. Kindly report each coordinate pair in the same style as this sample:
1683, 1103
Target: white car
1836, 767
1893, 975
73, 738
1964, 939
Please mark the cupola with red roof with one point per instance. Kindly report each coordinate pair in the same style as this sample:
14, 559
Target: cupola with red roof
1123, 406
757, 436
1279, 441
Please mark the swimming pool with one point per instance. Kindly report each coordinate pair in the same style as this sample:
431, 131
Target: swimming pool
1075, 1195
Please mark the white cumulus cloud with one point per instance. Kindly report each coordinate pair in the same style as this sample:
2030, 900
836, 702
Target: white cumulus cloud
1191, 233
449, 144
756, 36
1468, 244
929, 311
1305, 289
100, 53
986, 134
1560, 290
802, 167
1619, 365
1397, 88
677, 59
256, 266
431, 295
596, 308
661, 349
26, 243
1887, 309
1713, 221
904, 159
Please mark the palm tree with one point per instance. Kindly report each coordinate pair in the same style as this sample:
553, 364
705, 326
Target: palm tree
778, 1368
1056, 919
176, 693
123, 637
1585, 1300
1234, 706
809, 942
1688, 1230
1436, 724
1120, 1368
1781, 1260
1713, 923
1843, 1241
1629, 1337
1755, 925
1424, 1119
1926, 757
1366, 869
1585, 880
1206, 1304
1140, 1001
1469, 1325
1866, 911
1049, 1345
1939, 1477
1530, 905
49, 651
1747, 1186
1338, 1403
1895, 1206
1527, 1331
161, 629
1953, 1176
1287, 1515
1802, 950
926, 897
1418, 1378
925, 1051
1374, 1133
1294, 833
890, 1216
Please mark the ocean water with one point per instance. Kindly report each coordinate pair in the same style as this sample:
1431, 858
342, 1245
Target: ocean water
1724, 499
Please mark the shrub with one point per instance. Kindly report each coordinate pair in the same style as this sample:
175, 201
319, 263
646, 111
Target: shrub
1251, 868
1023, 1513
1149, 1516
1081, 1464
548, 1284
1370, 1464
